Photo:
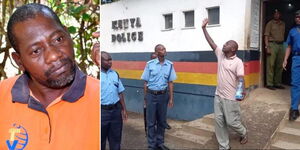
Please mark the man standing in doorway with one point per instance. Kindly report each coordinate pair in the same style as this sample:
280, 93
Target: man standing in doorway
158, 75
274, 37
112, 104
293, 41
226, 107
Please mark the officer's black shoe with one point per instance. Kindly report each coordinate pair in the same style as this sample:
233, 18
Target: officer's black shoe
163, 147
279, 87
270, 87
168, 126
294, 114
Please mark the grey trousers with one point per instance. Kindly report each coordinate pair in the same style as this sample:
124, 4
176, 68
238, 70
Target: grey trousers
227, 114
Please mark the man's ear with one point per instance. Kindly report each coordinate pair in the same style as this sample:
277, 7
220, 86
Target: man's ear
17, 59
233, 49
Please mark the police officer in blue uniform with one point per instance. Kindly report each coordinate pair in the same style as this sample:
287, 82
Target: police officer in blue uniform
158, 75
113, 108
293, 41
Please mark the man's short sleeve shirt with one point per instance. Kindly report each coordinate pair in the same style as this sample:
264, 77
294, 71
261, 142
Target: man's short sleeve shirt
111, 87
293, 39
158, 75
275, 30
229, 69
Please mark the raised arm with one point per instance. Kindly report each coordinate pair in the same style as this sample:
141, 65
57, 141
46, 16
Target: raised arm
207, 36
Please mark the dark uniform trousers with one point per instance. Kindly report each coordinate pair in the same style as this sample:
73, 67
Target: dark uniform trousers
295, 90
111, 126
156, 118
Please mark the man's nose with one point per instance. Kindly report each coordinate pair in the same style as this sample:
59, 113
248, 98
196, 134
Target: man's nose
52, 54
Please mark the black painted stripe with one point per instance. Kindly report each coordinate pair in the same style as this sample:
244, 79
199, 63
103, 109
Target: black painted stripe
186, 56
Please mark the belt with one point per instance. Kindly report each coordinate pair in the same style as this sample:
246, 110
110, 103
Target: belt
110, 106
276, 42
156, 92
296, 53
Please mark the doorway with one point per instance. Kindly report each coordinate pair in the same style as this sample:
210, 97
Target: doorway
287, 9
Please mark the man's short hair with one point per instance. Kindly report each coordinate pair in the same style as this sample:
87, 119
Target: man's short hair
24, 13
235, 44
157, 46
277, 11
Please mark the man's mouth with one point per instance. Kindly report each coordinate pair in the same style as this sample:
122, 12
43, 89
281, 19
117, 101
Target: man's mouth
61, 68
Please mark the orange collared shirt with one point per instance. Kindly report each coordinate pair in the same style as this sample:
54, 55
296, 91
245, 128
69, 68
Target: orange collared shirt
72, 123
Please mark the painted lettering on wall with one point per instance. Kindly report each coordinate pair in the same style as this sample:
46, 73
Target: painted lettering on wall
123, 25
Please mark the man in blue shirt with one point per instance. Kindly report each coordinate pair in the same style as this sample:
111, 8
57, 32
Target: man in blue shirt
293, 41
158, 75
113, 107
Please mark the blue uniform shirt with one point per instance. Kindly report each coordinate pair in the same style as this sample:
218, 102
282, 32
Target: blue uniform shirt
293, 39
158, 75
111, 86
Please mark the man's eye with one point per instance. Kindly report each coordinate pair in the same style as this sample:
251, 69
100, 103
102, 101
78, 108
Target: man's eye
59, 39
36, 51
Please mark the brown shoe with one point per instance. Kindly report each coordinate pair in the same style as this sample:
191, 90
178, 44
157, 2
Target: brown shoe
244, 140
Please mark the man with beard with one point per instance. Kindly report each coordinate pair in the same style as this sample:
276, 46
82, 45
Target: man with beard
274, 37
158, 75
226, 107
52, 105
113, 107
293, 41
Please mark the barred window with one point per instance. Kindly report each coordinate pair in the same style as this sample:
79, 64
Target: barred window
189, 18
213, 15
168, 21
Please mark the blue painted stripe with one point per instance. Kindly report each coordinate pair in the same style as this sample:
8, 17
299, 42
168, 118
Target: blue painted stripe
190, 101
186, 56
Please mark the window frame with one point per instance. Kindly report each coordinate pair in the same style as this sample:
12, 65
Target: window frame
184, 16
164, 22
209, 16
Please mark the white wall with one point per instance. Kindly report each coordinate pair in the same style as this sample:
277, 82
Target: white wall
232, 24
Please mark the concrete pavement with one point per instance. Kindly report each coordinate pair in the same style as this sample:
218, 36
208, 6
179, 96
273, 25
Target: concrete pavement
262, 111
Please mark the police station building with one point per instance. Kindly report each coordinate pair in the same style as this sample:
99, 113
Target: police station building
131, 28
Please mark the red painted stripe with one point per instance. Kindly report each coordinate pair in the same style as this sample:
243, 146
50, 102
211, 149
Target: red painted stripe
252, 67
193, 67
129, 65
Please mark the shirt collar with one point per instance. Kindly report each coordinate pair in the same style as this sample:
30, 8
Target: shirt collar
232, 57
109, 70
279, 21
157, 61
21, 94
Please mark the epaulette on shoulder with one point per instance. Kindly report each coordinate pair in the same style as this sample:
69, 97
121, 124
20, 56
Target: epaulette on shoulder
117, 74
168, 61
151, 61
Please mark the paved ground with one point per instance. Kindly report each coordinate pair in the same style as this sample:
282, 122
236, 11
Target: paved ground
262, 111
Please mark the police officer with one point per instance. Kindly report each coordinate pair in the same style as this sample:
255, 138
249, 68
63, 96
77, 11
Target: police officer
158, 75
274, 37
293, 41
112, 104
